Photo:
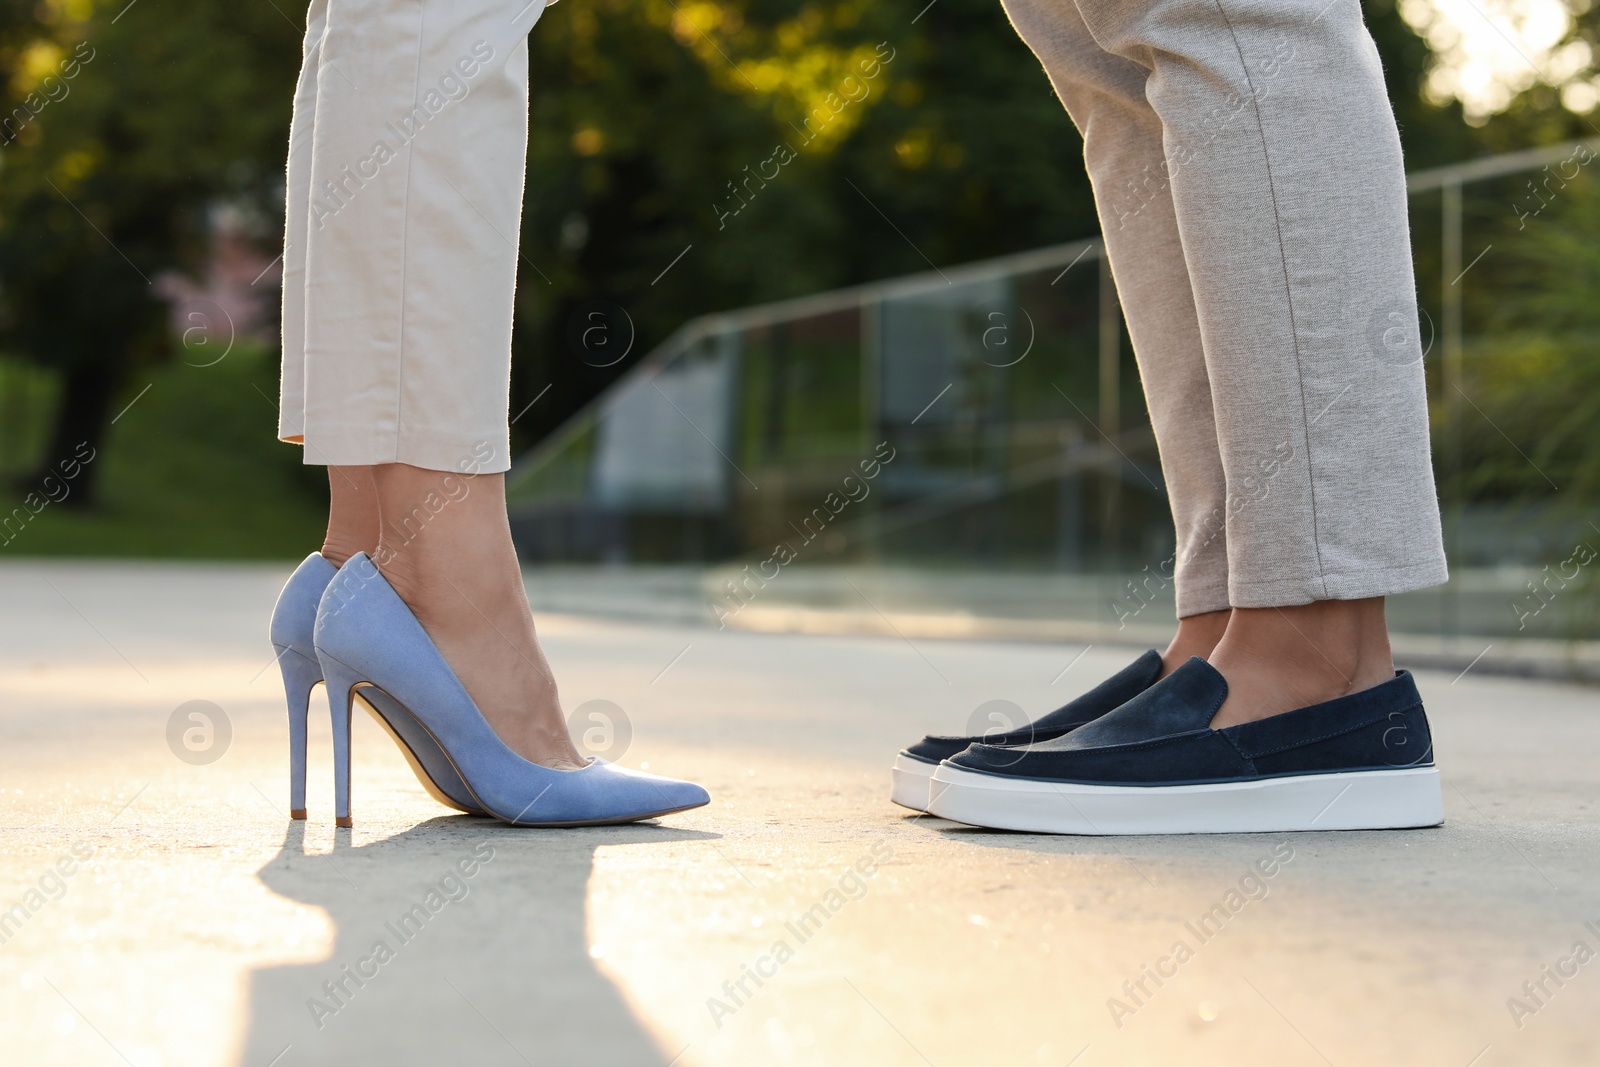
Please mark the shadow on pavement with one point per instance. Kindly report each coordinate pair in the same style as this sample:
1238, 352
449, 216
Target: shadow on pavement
460, 940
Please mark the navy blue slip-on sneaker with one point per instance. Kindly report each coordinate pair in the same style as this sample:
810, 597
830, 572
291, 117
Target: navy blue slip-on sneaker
914, 766
1155, 766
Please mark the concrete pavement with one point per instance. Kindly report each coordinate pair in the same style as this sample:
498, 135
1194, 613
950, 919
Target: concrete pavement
165, 911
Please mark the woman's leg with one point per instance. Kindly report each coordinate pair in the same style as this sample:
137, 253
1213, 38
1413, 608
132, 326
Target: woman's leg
1123, 152
453, 563
352, 514
297, 216
1286, 178
414, 209
413, 121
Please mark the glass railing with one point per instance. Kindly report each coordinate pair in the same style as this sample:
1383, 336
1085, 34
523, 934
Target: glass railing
974, 441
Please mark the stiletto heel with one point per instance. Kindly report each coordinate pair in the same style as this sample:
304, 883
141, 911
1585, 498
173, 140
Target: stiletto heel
293, 622
366, 636
341, 684
300, 677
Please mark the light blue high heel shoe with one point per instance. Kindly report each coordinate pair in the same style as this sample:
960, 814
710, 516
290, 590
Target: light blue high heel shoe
368, 639
293, 621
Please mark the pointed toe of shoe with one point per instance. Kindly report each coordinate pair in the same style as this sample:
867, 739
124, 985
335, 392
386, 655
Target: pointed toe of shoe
598, 794
366, 634
686, 795
646, 795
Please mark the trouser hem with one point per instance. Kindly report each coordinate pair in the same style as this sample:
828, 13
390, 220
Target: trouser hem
1347, 585
459, 454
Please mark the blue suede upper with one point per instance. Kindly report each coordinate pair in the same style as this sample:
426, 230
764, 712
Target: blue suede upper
290, 629
295, 614
366, 633
1163, 736
293, 634
1111, 693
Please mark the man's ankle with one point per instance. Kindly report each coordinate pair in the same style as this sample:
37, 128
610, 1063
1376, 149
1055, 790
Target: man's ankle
1197, 636
1280, 659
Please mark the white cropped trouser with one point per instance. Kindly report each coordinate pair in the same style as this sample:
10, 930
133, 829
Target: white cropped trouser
406, 159
1247, 171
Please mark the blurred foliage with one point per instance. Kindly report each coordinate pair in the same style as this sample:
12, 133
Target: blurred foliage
1528, 427
123, 124
193, 469
902, 136
1534, 369
650, 117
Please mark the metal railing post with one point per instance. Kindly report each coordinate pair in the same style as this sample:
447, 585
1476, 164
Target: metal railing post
1450, 381
871, 317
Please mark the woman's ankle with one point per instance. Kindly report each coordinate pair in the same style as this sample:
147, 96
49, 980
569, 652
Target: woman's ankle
352, 514
339, 552
445, 547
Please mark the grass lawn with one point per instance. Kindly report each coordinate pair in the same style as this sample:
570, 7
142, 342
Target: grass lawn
191, 470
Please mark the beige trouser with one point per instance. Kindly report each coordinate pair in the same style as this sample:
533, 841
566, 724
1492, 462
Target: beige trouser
406, 159
1247, 172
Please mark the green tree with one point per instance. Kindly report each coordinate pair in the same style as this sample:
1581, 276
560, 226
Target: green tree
647, 115
644, 111
151, 113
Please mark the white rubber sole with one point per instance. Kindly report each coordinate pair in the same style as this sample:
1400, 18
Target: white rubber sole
909, 781
1347, 800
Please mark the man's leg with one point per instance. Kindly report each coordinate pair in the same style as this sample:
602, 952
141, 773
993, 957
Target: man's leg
1288, 189
1123, 150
